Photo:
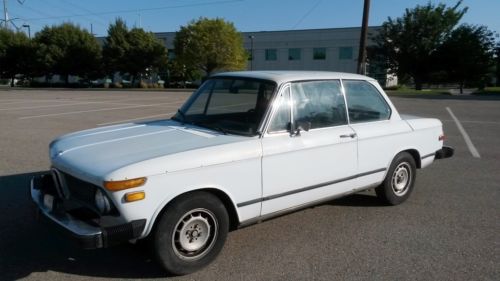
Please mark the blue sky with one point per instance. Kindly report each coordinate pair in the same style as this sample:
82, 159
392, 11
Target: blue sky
247, 15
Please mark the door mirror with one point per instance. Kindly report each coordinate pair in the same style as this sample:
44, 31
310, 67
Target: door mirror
300, 126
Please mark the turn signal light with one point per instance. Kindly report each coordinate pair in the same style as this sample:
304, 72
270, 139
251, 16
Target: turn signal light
125, 184
135, 196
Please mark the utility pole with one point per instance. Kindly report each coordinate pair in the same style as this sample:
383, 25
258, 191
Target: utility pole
362, 40
5, 14
251, 37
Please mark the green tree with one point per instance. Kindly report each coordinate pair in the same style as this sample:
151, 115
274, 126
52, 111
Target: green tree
408, 43
67, 49
135, 52
115, 47
17, 54
210, 45
467, 55
145, 55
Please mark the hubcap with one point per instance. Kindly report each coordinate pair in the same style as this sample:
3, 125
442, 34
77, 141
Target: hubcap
401, 179
195, 234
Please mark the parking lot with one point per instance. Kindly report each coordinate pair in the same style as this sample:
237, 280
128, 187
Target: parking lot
449, 229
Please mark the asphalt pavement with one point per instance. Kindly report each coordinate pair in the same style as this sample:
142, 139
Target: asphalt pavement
449, 229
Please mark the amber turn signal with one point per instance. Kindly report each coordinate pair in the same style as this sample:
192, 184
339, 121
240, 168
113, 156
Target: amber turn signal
135, 196
125, 184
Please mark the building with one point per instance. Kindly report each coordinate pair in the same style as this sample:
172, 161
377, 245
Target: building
327, 49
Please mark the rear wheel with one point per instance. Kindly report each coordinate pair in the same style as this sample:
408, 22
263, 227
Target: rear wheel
190, 233
399, 181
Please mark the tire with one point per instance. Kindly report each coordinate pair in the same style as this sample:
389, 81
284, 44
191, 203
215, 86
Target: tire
399, 181
190, 232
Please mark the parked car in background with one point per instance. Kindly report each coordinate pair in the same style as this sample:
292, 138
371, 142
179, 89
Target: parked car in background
245, 147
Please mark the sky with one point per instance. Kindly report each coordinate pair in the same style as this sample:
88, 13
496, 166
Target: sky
247, 15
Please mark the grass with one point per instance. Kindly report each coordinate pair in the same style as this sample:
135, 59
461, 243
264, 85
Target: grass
408, 91
489, 91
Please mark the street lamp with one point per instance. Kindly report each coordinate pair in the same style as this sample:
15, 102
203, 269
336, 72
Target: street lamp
29, 30
251, 51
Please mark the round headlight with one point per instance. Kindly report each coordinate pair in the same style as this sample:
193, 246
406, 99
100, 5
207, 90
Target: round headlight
102, 202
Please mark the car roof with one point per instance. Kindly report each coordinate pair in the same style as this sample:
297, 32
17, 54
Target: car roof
283, 76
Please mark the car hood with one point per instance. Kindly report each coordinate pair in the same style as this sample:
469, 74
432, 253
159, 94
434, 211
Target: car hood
95, 154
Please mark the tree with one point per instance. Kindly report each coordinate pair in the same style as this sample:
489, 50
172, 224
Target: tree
69, 50
408, 43
145, 54
115, 47
210, 45
16, 54
134, 51
467, 55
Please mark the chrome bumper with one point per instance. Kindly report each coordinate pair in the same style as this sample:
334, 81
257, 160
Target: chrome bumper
88, 234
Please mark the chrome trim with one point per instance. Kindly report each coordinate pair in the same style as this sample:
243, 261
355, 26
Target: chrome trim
299, 190
300, 207
60, 183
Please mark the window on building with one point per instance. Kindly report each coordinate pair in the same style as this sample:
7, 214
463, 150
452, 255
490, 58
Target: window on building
294, 54
271, 54
365, 102
319, 53
345, 53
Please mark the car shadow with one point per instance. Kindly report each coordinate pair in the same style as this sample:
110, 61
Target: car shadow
358, 200
28, 246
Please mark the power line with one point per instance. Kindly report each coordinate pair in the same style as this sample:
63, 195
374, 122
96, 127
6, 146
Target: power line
99, 19
307, 14
137, 10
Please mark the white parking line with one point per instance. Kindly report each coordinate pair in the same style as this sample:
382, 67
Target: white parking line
474, 122
135, 119
467, 139
59, 105
94, 110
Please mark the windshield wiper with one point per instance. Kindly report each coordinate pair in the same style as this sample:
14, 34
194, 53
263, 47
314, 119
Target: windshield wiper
220, 129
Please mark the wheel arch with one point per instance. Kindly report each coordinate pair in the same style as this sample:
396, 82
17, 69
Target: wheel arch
416, 156
220, 194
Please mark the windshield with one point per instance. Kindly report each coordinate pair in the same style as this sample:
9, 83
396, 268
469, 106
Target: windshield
228, 105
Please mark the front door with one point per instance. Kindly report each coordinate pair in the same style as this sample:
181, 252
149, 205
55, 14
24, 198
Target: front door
309, 150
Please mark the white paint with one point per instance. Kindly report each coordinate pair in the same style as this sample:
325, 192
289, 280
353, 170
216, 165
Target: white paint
61, 105
466, 137
134, 119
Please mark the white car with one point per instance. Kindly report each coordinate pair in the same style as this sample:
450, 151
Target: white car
245, 147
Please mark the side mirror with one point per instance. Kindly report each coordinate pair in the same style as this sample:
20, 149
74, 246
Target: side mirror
301, 126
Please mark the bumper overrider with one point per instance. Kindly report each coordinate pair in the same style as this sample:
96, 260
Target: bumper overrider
87, 231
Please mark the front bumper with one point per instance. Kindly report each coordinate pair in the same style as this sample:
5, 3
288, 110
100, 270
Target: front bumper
87, 232
445, 152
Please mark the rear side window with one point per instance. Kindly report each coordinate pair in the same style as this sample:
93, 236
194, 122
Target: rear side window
364, 102
319, 103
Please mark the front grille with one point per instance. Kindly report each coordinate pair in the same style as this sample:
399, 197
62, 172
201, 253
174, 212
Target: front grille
80, 190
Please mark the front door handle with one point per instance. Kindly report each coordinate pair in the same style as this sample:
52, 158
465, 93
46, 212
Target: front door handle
353, 135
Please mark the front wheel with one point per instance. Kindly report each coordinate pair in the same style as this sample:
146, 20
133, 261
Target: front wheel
190, 233
399, 181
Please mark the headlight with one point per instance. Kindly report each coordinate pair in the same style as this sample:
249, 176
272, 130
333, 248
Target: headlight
102, 202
